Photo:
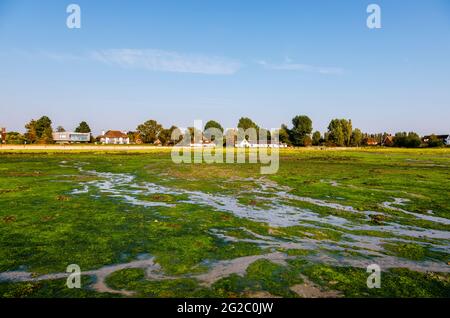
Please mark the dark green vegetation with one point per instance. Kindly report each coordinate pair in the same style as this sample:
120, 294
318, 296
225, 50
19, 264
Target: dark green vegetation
340, 133
49, 289
45, 225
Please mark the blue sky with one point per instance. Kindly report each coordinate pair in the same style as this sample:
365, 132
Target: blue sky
177, 61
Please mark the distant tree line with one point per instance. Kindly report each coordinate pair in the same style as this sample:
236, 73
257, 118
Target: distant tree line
40, 131
340, 133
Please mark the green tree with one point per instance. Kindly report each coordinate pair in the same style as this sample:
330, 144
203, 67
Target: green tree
43, 124
149, 131
338, 132
196, 134
414, 140
47, 136
408, 140
316, 138
83, 127
212, 124
246, 123
302, 128
166, 135
131, 135
357, 138
230, 137
307, 141
283, 135
347, 130
434, 141
14, 138
60, 129
31, 134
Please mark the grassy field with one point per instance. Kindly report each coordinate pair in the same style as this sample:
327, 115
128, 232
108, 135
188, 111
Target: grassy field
139, 225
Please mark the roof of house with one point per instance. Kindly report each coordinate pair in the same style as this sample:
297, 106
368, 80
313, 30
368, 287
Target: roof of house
438, 136
370, 140
115, 134
388, 139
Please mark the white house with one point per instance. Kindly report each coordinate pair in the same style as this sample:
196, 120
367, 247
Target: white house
202, 143
243, 144
115, 137
267, 144
445, 139
70, 137
246, 144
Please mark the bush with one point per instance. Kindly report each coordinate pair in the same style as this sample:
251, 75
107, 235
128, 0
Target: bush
410, 140
434, 141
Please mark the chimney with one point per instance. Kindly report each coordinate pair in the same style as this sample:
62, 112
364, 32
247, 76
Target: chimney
103, 132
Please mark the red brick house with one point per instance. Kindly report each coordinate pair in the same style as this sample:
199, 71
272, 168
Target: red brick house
370, 141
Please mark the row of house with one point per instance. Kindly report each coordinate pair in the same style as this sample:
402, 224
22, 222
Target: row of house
117, 137
444, 138
120, 137
259, 144
108, 137
243, 144
389, 140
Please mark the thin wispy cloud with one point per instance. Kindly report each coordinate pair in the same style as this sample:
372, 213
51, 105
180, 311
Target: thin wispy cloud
63, 57
167, 61
289, 65
170, 61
